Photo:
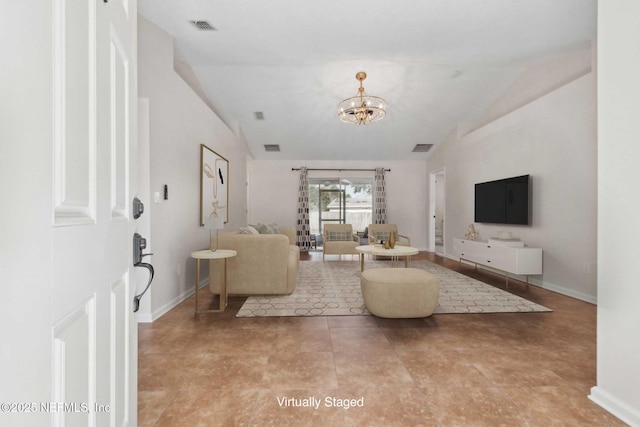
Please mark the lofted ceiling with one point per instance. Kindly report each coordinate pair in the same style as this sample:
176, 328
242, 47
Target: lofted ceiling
437, 63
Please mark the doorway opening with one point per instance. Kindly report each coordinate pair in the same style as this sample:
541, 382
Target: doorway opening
437, 242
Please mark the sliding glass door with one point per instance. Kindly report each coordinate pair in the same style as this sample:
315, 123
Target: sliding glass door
332, 206
340, 201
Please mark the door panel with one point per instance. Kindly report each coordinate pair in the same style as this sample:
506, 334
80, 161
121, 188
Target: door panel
74, 47
120, 366
74, 367
119, 79
95, 352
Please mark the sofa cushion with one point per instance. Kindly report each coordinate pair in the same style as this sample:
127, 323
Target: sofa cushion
342, 236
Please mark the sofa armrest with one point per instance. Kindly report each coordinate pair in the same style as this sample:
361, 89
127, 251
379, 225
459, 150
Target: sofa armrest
408, 240
290, 232
292, 271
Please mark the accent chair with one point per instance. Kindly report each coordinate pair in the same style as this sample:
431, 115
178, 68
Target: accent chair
379, 232
338, 239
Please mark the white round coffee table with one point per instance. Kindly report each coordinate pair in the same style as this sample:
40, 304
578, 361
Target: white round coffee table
395, 253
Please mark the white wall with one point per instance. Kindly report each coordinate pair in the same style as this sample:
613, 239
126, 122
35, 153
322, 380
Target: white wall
553, 138
26, 242
536, 81
618, 388
179, 121
273, 191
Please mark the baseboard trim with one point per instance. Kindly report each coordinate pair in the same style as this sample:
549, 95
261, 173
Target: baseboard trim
564, 291
541, 284
451, 257
164, 309
615, 406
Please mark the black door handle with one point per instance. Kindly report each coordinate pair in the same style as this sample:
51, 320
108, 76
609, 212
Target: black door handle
137, 298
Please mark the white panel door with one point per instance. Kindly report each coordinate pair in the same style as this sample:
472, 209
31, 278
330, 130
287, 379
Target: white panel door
68, 85
94, 329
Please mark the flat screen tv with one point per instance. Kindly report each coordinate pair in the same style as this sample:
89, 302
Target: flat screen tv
505, 201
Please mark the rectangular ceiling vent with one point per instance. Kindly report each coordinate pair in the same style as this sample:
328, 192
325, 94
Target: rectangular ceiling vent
271, 147
203, 26
421, 148
259, 115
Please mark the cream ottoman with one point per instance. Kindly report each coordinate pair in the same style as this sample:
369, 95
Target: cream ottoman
399, 292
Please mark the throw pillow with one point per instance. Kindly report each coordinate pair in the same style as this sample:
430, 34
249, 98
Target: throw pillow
275, 229
264, 229
248, 230
381, 235
341, 236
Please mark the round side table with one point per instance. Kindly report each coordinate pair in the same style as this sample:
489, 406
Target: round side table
207, 255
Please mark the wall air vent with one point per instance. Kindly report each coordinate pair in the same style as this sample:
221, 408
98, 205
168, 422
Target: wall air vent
203, 26
271, 147
259, 115
421, 148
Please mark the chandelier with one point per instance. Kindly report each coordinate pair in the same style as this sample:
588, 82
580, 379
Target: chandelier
362, 109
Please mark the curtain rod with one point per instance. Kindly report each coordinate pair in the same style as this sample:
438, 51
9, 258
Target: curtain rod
340, 170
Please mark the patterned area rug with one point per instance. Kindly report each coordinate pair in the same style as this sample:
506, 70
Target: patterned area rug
332, 288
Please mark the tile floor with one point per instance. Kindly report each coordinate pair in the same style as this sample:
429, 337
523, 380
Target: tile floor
532, 369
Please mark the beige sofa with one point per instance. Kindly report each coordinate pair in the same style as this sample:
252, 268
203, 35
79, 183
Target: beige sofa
266, 264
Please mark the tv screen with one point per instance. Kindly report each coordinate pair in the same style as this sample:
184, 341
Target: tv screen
505, 201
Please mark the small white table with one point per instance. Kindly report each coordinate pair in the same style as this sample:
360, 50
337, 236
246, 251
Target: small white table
207, 255
395, 253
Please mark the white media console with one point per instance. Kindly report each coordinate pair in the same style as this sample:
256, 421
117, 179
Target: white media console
506, 256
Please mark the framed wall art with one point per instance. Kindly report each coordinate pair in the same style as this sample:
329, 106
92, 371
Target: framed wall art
214, 185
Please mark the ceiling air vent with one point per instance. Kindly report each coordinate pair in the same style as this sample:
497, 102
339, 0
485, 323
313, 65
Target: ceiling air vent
421, 148
271, 147
203, 26
259, 115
